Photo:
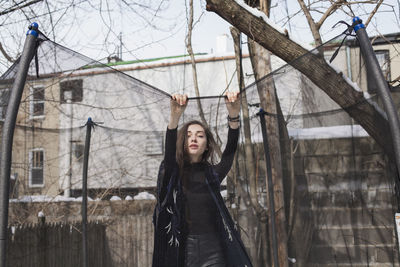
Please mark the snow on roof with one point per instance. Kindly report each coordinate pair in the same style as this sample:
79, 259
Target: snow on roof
148, 63
343, 131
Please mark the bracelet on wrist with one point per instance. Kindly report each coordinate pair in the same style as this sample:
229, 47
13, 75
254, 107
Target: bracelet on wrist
234, 119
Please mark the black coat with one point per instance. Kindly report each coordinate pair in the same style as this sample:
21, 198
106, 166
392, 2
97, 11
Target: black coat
170, 227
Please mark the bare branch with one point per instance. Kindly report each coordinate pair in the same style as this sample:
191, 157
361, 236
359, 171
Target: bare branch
18, 7
313, 26
329, 12
190, 51
7, 56
373, 12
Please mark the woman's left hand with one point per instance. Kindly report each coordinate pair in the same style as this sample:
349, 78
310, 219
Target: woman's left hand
232, 102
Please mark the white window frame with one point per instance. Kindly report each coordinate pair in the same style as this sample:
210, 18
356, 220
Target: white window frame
32, 103
154, 144
31, 167
2, 118
385, 65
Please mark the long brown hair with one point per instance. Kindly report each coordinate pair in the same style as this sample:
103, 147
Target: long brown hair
182, 156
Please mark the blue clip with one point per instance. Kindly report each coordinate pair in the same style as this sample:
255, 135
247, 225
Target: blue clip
357, 22
32, 32
34, 26
33, 29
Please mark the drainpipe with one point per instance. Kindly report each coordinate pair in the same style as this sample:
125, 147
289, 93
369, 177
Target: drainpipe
67, 185
348, 59
8, 133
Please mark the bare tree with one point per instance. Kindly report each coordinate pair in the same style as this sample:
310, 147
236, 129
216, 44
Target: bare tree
321, 73
261, 66
189, 48
111, 25
328, 8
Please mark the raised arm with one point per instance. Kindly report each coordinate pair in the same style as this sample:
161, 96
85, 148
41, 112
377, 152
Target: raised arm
232, 103
223, 167
178, 104
233, 106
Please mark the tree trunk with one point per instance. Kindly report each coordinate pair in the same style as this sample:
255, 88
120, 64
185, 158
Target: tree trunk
194, 69
368, 115
261, 62
313, 26
255, 209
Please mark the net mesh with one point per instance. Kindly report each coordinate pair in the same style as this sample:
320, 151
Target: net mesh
338, 195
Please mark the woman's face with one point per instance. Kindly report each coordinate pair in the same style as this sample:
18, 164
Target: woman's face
196, 142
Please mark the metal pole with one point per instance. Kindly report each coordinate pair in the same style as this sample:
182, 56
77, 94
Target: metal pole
89, 126
8, 134
382, 86
270, 187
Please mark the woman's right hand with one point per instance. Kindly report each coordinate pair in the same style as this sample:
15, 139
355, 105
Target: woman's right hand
178, 105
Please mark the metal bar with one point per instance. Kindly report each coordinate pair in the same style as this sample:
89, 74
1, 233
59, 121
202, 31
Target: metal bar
270, 188
382, 86
8, 134
85, 258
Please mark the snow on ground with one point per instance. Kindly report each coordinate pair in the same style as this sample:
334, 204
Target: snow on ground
42, 198
79, 199
144, 195
224, 193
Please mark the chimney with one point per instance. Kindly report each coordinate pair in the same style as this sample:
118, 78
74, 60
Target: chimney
222, 45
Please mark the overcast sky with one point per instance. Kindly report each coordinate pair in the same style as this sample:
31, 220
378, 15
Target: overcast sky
145, 35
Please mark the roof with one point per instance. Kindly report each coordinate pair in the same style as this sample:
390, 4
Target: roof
118, 63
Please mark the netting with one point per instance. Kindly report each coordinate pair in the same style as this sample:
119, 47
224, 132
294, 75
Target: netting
335, 186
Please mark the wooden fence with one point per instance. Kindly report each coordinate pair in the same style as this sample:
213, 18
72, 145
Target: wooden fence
123, 236
56, 245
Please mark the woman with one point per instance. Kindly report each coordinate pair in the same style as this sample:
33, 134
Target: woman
193, 227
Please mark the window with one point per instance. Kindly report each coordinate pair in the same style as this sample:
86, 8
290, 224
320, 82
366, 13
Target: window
37, 101
4, 97
78, 149
36, 159
73, 86
150, 171
384, 62
154, 144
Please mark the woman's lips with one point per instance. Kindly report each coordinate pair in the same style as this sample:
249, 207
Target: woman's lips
194, 146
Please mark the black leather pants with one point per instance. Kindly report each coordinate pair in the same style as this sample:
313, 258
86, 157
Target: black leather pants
204, 250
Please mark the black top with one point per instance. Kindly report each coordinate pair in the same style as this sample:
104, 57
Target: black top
201, 210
